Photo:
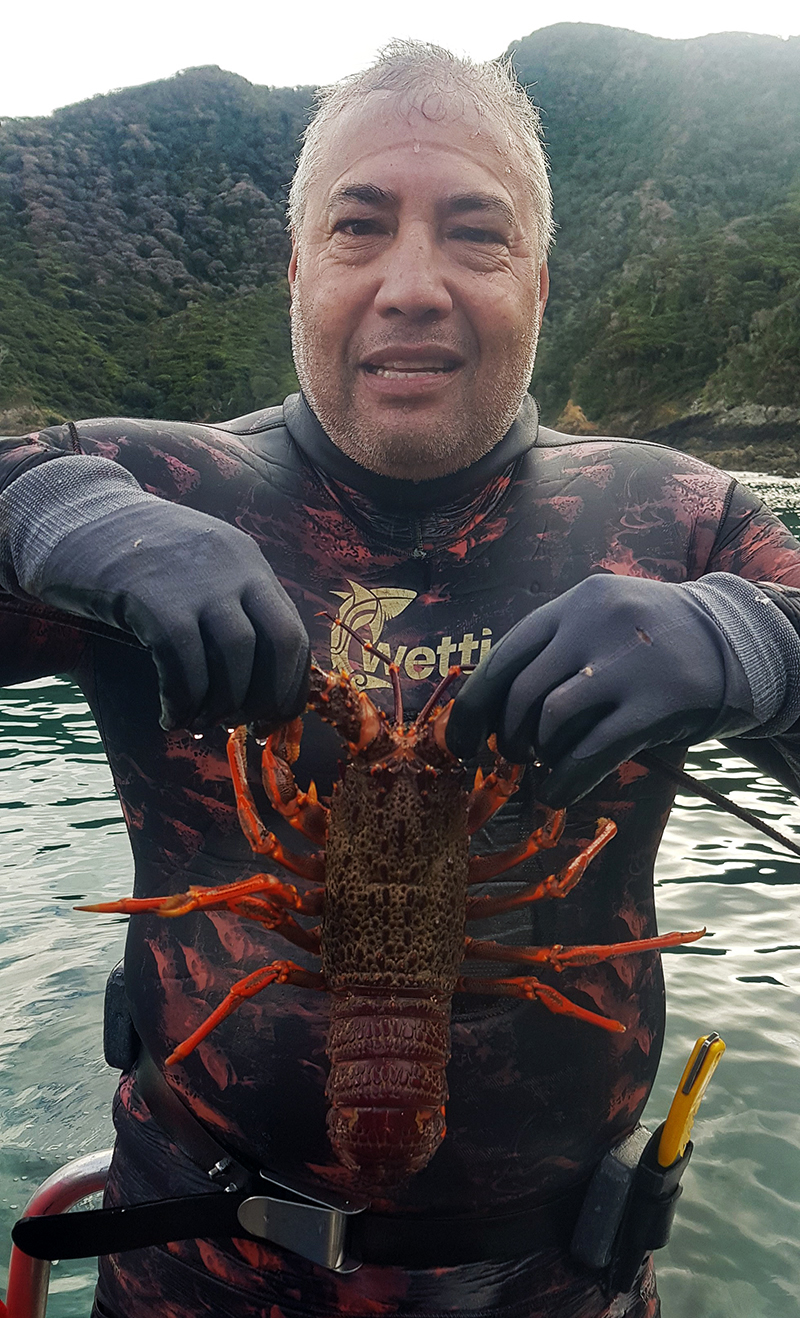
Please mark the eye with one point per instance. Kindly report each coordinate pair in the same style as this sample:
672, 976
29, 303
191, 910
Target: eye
356, 228
469, 234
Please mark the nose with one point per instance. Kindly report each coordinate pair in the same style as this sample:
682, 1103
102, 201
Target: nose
412, 278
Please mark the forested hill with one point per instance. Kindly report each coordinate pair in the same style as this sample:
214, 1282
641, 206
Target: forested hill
142, 245
143, 250
676, 275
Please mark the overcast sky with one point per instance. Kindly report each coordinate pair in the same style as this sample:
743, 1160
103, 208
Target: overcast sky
55, 52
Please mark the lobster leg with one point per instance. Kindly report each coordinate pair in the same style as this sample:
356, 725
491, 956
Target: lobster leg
303, 810
273, 917
535, 991
557, 958
210, 899
555, 885
484, 868
278, 972
490, 793
335, 699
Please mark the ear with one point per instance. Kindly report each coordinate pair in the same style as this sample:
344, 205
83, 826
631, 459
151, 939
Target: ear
544, 289
292, 271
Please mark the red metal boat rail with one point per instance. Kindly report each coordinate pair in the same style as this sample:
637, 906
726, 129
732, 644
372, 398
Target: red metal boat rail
29, 1279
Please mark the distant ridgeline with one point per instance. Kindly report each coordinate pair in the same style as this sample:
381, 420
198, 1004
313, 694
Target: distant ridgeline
143, 249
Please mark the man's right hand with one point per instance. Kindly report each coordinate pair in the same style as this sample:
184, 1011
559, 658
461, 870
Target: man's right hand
226, 639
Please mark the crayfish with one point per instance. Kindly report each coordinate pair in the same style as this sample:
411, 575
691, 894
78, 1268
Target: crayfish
392, 893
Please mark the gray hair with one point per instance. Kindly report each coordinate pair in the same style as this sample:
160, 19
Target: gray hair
432, 80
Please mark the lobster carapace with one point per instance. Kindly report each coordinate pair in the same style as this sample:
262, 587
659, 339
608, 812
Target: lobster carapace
392, 892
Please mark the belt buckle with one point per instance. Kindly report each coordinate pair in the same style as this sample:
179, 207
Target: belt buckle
314, 1227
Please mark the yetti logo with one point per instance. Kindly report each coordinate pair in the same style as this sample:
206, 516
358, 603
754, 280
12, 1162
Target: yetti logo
366, 612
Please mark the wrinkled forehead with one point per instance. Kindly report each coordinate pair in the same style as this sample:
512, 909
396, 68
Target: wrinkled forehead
365, 135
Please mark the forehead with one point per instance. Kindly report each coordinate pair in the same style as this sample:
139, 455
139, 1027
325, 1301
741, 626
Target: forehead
440, 146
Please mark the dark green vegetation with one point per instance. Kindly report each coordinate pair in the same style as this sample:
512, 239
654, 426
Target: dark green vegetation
142, 245
675, 308
143, 251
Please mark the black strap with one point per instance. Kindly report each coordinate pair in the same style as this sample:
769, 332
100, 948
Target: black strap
377, 1238
447, 1242
383, 1239
191, 1136
114, 1230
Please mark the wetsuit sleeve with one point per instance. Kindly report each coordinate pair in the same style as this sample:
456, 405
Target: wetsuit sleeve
34, 641
753, 543
81, 535
41, 477
20, 455
46, 503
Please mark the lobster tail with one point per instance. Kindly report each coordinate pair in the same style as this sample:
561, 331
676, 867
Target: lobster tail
387, 1084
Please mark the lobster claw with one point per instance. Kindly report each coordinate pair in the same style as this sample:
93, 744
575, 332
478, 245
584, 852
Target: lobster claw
303, 810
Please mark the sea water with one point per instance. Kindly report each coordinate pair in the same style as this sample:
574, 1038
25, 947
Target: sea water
735, 1247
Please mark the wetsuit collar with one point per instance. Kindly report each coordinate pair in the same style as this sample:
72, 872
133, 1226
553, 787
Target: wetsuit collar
405, 495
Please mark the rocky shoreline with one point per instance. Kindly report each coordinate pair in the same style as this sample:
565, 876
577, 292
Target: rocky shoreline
746, 438
750, 437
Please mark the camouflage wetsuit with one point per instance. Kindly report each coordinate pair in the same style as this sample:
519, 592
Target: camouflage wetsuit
434, 572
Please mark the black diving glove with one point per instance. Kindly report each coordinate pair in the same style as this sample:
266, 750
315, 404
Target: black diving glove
226, 639
618, 664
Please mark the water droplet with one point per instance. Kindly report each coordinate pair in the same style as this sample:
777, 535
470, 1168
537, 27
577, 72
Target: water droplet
416, 148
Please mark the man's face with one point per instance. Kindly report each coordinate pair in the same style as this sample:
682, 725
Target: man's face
417, 293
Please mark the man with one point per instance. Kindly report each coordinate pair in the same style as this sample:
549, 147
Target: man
410, 489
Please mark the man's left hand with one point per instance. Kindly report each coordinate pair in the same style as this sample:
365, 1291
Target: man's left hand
614, 665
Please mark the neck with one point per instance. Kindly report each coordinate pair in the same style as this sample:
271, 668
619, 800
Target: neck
408, 492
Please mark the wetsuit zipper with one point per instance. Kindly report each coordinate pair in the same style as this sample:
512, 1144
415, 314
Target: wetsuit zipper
419, 550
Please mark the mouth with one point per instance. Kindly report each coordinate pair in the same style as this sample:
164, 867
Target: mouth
412, 364
400, 371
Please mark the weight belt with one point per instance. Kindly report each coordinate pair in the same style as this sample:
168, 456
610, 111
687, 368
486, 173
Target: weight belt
323, 1226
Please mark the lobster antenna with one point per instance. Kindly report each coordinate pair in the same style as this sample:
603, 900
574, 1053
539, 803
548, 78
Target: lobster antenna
394, 672
697, 788
345, 626
449, 677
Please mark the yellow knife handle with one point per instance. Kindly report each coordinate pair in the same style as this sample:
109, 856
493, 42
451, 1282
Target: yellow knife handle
678, 1126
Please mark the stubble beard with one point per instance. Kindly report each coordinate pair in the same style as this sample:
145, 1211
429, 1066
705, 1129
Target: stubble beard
418, 452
